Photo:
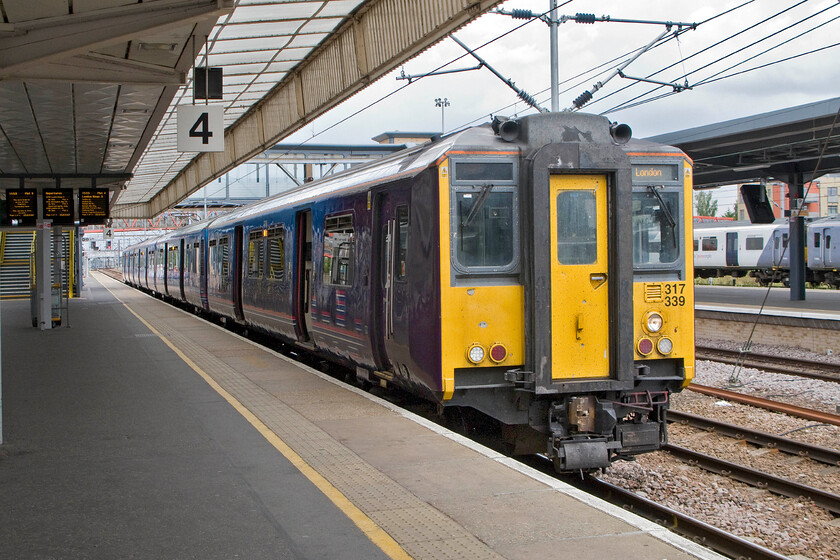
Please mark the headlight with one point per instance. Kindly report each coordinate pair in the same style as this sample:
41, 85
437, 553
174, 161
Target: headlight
653, 322
475, 353
665, 346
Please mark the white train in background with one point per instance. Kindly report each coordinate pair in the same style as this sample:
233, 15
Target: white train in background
760, 250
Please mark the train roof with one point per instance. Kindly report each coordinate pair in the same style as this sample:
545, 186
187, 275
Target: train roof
637, 146
412, 161
404, 164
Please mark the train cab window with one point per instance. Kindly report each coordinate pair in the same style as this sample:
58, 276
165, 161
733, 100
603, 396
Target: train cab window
816, 241
577, 228
696, 245
709, 244
339, 250
401, 243
656, 226
485, 229
755, 243
255, 254
828, 242
276, 240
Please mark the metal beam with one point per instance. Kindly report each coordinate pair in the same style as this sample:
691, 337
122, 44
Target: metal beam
51, 39
379, 37
101, 69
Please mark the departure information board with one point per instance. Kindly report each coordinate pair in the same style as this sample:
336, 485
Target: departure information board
93, 206
58, 206
21, 207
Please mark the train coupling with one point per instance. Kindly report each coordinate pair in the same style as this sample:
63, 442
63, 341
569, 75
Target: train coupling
586, 433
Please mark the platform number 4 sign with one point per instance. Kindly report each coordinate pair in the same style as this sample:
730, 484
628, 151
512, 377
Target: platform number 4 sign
201, 128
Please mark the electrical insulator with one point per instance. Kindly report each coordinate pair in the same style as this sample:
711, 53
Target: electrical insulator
585, 18
582, 99
523, 14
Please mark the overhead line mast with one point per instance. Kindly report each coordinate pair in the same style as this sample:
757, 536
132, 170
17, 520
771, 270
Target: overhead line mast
587, 95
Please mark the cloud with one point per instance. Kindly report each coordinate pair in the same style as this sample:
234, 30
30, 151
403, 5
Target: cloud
523, 56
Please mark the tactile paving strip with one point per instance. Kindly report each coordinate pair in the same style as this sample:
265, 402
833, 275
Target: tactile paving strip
421, 530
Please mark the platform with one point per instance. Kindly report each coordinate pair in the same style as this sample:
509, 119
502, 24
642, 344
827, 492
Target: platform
141, 431
818, 303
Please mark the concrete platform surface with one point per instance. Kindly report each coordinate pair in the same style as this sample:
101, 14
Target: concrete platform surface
144, 432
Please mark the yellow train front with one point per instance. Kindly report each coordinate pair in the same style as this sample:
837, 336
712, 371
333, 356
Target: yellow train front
663, 268
539, 328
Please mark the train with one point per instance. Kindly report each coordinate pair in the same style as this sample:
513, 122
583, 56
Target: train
534, 273
760, 251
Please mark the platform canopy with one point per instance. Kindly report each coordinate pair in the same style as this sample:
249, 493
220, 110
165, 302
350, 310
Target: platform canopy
802, 140
89, 88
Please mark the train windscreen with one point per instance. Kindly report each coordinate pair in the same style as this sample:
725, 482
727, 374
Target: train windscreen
656, 227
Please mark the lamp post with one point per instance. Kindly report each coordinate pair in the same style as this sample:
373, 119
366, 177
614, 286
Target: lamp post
443, 104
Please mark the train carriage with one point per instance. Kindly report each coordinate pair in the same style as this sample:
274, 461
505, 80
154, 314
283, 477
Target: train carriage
491, 270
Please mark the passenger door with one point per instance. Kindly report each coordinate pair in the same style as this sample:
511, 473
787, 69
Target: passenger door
731, 248
391, 294
580, 325
827, 257
303, 274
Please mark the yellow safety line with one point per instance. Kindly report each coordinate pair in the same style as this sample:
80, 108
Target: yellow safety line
372, 531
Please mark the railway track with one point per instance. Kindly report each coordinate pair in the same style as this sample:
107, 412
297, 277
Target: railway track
757, 478
776, 364
698, 531
821, 454
776, 406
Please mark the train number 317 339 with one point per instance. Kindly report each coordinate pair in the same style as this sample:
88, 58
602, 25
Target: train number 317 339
674, 295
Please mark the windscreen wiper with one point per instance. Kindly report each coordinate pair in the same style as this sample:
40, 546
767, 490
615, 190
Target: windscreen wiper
671, 222
479, 202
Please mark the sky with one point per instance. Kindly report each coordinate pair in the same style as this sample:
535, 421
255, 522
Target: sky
522, 55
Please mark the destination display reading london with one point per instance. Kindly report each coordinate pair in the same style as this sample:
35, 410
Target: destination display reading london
93, 206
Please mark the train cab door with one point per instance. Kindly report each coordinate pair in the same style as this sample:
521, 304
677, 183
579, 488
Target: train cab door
580, 315
303, 274
731, 248
391, 295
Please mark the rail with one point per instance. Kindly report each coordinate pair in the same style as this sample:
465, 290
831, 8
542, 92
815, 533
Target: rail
776, 364
775, 406
756, 437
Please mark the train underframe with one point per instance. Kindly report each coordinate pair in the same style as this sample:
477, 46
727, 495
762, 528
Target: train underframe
586, 431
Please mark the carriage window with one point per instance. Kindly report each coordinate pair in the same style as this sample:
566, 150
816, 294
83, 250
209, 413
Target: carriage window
401, 243
172, 262
709, 244
828, 242
816, 240
197, 259
255, 254
755, 243
224, 250
276, 253
577, 227
656, 239
696, 245
339, 250
484, 227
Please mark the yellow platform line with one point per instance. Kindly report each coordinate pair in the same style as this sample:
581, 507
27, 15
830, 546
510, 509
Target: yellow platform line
372, 531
